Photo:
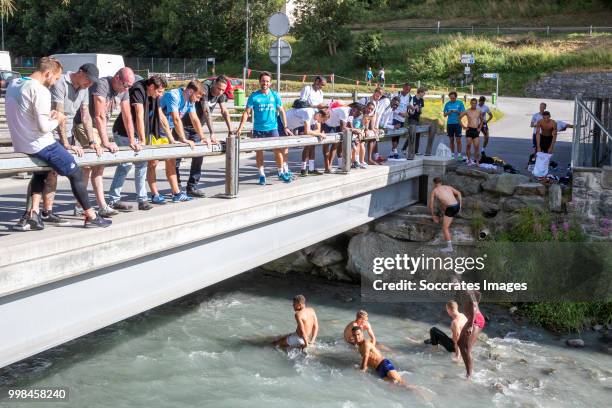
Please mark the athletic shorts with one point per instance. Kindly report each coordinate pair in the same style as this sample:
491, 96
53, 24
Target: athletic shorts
453, 130
472, 133
452, 210
265, 133
384, 367
295, 341
58, 158
397, 122
545, 142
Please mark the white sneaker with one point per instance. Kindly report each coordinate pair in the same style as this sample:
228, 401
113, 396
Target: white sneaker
446, 250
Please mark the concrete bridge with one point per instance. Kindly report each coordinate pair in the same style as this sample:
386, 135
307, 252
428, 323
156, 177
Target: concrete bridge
61, 283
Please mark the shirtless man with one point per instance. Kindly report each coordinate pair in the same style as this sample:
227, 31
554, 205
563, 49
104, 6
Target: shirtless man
361, 321
472, 133
307, 326
437, 336
546, 134
371, 357
474, 325
450, 201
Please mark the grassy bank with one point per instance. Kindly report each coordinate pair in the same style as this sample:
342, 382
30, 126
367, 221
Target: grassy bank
434, 59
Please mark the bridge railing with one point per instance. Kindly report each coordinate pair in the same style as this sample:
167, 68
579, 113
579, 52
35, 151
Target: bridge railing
592, 138
13, 163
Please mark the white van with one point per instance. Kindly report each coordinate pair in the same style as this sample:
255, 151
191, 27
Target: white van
5, 61
107, 64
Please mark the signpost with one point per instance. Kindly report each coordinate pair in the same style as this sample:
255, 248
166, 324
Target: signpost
495, 76
467, 59
280, 50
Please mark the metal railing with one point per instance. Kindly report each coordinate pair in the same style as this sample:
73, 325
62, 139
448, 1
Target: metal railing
12, 163
592, 138
440, 29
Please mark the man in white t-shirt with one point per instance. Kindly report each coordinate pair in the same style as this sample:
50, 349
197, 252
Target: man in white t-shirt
534, 122
313, 94
486, 117
340, 118
381, 103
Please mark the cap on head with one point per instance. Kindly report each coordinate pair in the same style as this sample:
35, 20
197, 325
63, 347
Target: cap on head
91, 71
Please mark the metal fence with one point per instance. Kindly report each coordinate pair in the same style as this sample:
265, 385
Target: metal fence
592, 140
548, 30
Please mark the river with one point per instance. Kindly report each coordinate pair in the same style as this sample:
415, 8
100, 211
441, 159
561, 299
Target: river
211, 349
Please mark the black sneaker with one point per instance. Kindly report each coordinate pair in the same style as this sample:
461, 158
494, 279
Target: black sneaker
22, 224
121, 206
315, 172
303, 173
194, 192
99, 222
51, 218
36, 223
144, 206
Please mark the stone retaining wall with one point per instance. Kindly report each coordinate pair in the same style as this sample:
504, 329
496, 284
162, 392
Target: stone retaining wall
567, 85
592, 199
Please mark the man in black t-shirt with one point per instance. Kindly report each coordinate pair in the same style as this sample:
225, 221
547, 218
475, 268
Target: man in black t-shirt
214, 94
145, 117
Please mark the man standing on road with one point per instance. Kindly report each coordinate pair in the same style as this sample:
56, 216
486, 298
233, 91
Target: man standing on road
399, 117
546, 134
487, 116
31, 121
414, 117
472, 131
450, 203
264, 105
381, 103
102, 98
534, 121
452, 110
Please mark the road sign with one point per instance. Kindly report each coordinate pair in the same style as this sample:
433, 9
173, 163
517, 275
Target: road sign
467, 70
285, 51
278, 24
467, 58
491, 75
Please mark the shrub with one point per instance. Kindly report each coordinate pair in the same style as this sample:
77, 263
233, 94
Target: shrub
369, 47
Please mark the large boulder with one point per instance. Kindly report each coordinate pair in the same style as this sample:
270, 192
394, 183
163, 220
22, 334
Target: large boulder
478, 206
484, 174
516, 203
419, 228
504, 183
605, 204
363, 248
531, 189
294, 262
467, 185
325, 255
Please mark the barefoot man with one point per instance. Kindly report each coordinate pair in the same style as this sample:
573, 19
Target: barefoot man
473, 327
437, 336
361, 321
450, 201
307, 326
472, 131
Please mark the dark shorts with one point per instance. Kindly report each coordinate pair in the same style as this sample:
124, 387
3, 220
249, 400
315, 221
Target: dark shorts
472, 133
58, 158
384, 367
453, 130
397, 122
545, 142
330, 129
452, 210
265, 133
485, 129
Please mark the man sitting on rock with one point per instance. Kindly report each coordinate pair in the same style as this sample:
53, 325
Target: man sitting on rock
450, 201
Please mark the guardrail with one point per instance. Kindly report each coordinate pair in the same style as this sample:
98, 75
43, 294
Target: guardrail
592, 138
12, 163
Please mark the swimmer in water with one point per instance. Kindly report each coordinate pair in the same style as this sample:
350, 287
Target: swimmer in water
307, 326
474, 325
371, 357
437, 336
361, 321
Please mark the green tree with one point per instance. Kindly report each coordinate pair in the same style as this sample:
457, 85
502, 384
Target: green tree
323, 23
369, 47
